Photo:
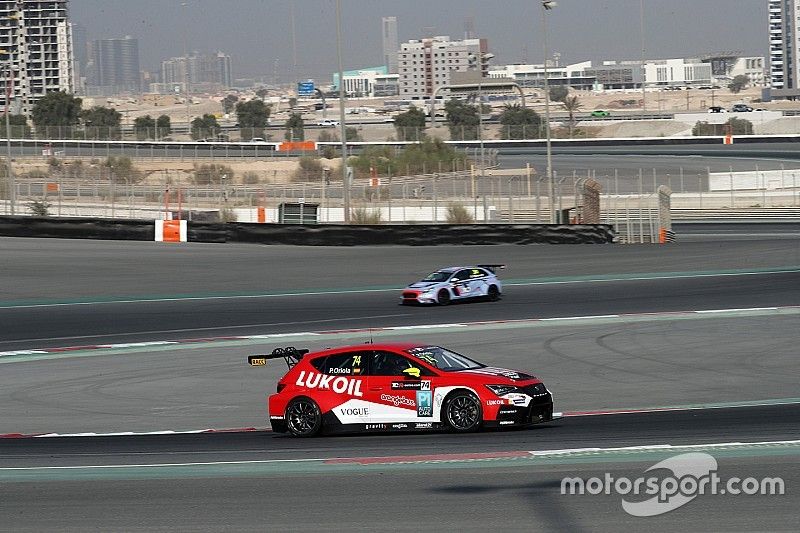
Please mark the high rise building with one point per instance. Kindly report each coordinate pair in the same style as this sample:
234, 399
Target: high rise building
200, 71
113, 66
37, 39
784, 49
390, 43
425, 65
79, 45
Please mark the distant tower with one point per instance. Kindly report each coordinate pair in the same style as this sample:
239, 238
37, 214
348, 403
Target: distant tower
390, 43
469, 27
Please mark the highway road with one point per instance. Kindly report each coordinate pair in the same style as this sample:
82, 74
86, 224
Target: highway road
699, 339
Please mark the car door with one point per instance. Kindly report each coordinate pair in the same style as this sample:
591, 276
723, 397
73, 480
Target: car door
478, 285
341, 387
461, 286
399, 391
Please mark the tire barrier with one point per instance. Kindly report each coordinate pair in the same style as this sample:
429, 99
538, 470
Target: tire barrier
420, 234
312, 234
77, 228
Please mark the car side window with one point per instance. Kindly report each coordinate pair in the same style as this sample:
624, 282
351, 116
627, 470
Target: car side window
343, 364
461, 275
475, 273
392, 364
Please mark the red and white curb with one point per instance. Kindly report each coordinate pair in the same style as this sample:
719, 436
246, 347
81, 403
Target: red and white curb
389, 329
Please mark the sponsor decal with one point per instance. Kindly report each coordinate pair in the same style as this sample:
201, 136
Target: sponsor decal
354, 411
506, 422
495, 402
411, 385
276, 417
507, 412
423, 425
424, 403
339, 371
399, 426
397, 401
375, 426
339, 385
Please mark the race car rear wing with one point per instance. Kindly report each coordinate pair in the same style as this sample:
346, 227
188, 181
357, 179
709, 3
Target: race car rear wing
492, 268
290, 354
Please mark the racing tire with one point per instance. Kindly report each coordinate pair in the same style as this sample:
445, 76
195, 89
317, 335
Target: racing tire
303, 417
493, 294
443, 297
462, 412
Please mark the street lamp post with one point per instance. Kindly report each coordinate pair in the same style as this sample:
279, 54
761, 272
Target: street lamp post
12, 186
343, 128
547, 5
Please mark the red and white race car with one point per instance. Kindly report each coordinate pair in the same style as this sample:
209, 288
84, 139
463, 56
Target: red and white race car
399, 386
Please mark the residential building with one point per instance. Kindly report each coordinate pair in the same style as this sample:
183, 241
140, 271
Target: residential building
368, 82
38, 40
201, 72
424, 65
113, 66
784, 49
390, 43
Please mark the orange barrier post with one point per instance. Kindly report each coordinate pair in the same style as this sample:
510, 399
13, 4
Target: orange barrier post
171, 231
662, 235
262, 215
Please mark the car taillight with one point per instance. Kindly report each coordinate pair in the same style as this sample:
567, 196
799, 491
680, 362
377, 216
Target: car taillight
281, 386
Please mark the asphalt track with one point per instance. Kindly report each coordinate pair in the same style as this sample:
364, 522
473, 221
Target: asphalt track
648, 360
259, 481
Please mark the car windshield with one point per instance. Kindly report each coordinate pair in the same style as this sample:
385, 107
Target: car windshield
440, 275
443, 359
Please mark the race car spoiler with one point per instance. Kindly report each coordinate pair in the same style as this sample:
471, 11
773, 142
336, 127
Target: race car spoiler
290, 354
492, 268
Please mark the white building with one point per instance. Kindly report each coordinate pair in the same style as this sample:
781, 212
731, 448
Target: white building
677, 72
784, 49
38, 40
425, 65
527, 76
368, 82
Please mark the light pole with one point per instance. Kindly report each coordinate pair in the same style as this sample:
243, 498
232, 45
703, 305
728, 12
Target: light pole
343, 129
641, 30
547, 5
12, 186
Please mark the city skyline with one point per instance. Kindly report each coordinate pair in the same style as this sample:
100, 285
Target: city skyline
257, 33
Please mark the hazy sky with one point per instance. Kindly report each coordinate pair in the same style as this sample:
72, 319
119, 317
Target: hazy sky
257, 32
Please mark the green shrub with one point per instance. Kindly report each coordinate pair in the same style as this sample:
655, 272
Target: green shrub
212, 174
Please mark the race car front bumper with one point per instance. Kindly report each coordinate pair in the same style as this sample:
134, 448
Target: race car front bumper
539, 410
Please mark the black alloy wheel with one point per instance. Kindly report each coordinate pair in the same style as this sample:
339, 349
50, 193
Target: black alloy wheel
463, 412
303, 417
443, 297
493, 293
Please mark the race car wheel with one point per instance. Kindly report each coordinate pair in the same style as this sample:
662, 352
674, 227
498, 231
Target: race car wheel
443, 297
303, 417
493, 293
463, 412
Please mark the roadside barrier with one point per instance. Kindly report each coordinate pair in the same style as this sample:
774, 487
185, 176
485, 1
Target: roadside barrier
305, 235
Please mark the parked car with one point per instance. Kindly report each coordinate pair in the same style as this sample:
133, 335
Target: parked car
741, 108
328, 123
717, 109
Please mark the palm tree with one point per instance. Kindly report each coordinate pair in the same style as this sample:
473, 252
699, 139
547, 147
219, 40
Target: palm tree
572, 104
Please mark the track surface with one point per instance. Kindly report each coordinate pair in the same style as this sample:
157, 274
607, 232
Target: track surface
646, 361
458, 496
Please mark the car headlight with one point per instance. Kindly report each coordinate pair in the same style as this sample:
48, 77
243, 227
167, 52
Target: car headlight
502, 390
